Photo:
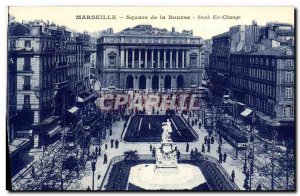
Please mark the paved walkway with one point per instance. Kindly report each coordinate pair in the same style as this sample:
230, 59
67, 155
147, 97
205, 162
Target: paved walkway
144, 148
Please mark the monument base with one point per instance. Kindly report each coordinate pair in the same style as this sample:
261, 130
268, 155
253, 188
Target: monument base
149, 177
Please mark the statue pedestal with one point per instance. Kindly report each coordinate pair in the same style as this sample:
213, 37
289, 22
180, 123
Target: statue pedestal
149, 177
166, 156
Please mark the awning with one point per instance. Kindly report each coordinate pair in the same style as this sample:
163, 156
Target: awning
17, 145
246, 112
73, 110
79, 99
86, 96
54, 131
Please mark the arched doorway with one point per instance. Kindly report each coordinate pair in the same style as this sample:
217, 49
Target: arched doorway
155, 82
168, 80
142, 82
129, 82
180, 81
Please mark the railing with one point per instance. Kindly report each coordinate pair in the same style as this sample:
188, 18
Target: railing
183, 157
26, 106
27, 68
26, 87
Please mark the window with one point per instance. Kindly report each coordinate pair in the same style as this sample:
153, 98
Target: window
26, 101
289, 63
27, 43
287, 110
289, 76
288, 93
27, 66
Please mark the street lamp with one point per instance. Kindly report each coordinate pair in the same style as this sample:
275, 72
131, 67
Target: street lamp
93, 170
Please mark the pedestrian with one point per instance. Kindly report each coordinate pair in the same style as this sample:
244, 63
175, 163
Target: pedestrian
205, 140
199, 125
33, 172
96, 150
187, 147
259, 188
203, 148
208, 148
220, 157
112, 143
175, 148
110, 131
247, 175
117, 144
208, 141
88, 188
192, 123
224, 157
232, 175
99, 150
153, 152
219, 149
178, 154
221, 140
105, 145
192, 153
99, 176
105, 159
246, 186
150, 147
212, 139
196, 150
196, 121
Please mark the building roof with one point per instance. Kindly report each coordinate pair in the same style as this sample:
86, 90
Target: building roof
276, 51
148, 30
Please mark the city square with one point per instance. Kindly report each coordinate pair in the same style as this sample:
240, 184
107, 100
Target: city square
151, 108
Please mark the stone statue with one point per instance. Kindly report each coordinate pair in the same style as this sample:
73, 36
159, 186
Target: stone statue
167, 130
166, 157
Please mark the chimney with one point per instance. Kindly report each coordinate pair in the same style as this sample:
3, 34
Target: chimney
173, 29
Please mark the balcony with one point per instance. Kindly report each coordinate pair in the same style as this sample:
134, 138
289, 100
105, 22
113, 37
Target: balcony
26, 106
61, 85
48, 50
62, 64
26, 87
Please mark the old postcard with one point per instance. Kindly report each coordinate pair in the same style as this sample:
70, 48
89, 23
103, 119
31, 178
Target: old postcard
150, 98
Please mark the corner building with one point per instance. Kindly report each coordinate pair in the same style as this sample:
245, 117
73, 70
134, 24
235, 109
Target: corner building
144, 57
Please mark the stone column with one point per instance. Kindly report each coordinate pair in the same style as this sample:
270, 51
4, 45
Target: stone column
158, 58
146, 63
132, 58
104, 59
171, 59
135, 83
126, 58
148, 81
122, 58
173, 82
152, 58
182, 56
187, 58
165, 55
140, 58
176, 58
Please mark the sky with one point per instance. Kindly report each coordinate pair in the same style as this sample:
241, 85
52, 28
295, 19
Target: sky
206, 26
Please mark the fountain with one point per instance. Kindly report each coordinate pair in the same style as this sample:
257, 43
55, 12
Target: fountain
166, 173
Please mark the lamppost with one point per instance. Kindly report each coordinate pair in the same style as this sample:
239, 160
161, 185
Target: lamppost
93, 170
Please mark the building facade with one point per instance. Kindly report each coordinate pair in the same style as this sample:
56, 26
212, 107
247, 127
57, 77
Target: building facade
264, 81
144, 57
238, 38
